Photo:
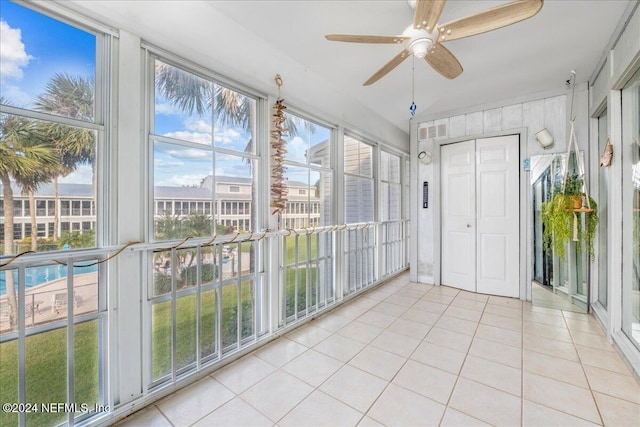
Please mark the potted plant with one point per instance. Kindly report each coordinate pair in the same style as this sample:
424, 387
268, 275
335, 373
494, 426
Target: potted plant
573, 190
561, 221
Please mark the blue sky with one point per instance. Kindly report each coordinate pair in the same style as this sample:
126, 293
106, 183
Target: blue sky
35, 47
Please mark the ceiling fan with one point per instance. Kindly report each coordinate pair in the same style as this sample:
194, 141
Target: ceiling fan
425, 36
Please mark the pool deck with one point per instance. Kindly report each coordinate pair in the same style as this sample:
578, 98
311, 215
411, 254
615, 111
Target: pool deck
47, 302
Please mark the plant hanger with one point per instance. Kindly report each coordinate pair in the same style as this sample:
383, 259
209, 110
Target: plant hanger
573, 144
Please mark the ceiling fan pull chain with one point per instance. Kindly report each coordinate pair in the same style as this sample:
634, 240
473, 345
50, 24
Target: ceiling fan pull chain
413, 106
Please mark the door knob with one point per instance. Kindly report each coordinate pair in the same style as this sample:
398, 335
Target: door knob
468, 225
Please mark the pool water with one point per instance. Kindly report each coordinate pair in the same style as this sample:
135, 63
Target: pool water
35, 276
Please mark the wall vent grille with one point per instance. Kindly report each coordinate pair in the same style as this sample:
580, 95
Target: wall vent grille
432, 132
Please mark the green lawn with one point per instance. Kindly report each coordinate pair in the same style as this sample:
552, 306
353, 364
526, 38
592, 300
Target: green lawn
46, 372
186, 326
46, 352
302, 248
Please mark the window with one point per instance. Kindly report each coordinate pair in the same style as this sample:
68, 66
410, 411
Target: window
41, 208
603, 195
86, 208
51, 100
631, 210
308, 167
390, 187
54, 73
358, 181
65, 209
189, 138
17, 208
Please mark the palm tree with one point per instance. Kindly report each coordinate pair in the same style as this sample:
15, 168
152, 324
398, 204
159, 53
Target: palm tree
193, 94
25, 157
73, 97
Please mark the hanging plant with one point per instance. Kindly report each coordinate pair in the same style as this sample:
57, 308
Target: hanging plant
561, 224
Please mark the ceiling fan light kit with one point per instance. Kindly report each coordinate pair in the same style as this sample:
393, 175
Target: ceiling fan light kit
424, 38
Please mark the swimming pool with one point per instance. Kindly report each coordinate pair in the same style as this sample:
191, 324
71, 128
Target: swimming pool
35, 276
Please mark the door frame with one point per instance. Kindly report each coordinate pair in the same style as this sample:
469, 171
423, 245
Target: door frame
525, 206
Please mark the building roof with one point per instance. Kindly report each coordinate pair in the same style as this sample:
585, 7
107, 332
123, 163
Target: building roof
67, 190
64, 190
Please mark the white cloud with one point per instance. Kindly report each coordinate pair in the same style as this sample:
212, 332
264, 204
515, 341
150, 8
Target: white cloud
197, 125
16, 96
167, 165
13, 56
226, 136
201, 138
82, 175
166, 108
182, 181
297, 149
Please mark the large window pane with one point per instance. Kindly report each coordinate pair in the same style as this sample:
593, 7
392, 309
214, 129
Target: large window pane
182, 105
46, 160
631, 210
51, 65
180, 175
358, 157
235, 191
308, 188
358, 198
307, 142
603, 196
358, 181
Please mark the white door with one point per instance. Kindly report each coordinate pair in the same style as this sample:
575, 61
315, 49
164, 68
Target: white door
498, 216
458, 215
480, 215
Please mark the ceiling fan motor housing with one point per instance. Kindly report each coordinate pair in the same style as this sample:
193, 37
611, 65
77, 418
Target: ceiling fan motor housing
420, 41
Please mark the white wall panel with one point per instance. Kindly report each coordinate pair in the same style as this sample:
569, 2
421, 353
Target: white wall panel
474, 123
512, 116
533, 120
492, 120
457, 126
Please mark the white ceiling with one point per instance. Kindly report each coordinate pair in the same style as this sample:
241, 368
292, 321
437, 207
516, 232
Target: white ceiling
529, 57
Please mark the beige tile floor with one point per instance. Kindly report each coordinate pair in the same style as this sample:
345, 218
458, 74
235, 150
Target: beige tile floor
408, 354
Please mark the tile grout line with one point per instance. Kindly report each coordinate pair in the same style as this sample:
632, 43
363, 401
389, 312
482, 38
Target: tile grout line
584, 372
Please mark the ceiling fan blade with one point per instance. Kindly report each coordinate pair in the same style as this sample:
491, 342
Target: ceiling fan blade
388, 67
360, 38
443, 61
491, 19
427, 13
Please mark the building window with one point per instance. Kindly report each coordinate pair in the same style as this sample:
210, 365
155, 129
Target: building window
86, 208
234, 189
302, 192
65, 209
17, 208
41, 208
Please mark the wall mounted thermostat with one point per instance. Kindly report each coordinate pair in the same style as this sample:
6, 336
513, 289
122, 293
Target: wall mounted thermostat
425, 194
